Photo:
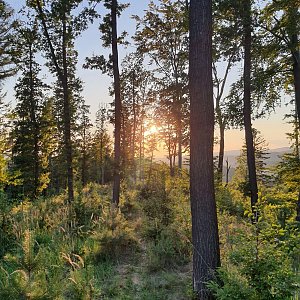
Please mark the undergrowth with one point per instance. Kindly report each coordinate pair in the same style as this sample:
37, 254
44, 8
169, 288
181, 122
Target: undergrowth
51, 249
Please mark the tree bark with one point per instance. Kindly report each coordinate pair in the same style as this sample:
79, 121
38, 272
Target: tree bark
206, 254
247, 110
292, 13
296, 74
118, 104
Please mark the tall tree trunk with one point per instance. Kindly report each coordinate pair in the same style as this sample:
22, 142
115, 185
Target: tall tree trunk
292, 14
247, 107
179, 134
179, 121
292, 31
221, 152
220, 118
206, 253
67, 114
296, 74
83, 166
102, 158
33, 105
142, 148
134, 127
118, 104
227, 171
298, 159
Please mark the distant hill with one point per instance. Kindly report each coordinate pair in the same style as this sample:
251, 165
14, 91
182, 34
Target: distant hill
232, 155
274, 156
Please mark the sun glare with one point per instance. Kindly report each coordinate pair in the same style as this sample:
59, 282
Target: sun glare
151, 130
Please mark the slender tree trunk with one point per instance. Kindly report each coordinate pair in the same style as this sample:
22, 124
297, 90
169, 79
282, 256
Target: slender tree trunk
247, 107
179, 124
206, 254
150, 167
298, 159
220, 118
296, 74
84, 167
33, 105
134, 126
140, 154
124, 144
102, 159
227, 172
221, 152
179, 134
118, 104
67, 114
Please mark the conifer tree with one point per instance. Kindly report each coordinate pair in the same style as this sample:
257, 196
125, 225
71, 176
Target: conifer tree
30, 94
60, 27
8, 41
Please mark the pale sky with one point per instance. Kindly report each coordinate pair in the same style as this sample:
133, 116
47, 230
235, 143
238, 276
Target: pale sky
96, 85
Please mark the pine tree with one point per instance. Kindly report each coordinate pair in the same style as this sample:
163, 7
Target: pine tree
30, 94
8, 42
60, 27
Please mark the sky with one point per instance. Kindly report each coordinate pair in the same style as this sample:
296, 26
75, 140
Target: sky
273, 128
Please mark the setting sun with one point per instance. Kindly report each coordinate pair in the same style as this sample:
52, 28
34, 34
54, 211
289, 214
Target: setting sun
151, 130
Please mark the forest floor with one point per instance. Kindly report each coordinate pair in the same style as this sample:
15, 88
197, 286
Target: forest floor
89, 250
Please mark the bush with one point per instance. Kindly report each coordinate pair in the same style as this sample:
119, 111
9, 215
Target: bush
258, 261
168, 250
231, 285
114, 237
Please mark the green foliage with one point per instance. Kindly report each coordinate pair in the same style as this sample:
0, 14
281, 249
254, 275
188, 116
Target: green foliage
168, 251
234, 286
114, 236
33, 273
90, 250
227, 202
7, 239
258, 258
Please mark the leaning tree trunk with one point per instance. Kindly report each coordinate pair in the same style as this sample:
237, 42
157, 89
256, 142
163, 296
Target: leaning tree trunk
247, 107
206, 254
118, 104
